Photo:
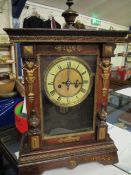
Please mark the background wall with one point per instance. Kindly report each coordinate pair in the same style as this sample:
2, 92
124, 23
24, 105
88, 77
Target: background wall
5, 15
46, 11
119, 60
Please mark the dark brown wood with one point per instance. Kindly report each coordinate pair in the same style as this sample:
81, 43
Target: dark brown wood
66, 36
104, 152
39, 153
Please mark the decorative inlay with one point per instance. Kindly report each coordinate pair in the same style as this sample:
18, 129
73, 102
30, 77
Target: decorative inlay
48, 156
35, 142
28, 50
105, 65
68, 39
68, 48
30, 67
69, 139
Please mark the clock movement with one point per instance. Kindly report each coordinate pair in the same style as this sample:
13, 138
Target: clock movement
66, 79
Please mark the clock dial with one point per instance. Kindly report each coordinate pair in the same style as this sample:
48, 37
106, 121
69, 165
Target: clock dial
68, 81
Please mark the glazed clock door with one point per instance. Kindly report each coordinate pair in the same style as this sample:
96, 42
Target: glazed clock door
67, 90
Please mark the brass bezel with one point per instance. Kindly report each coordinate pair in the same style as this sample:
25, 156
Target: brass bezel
59, 59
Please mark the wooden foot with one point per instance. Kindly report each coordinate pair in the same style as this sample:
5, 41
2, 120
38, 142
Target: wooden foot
72, 164
110, 159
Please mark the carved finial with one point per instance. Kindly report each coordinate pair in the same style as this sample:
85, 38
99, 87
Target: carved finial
69, 3
103, 113
69, 14
33, 121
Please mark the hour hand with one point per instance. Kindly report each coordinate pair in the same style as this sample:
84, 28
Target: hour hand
76, 83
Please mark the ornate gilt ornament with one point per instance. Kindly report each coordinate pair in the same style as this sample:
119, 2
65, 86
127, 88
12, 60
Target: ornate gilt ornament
102, 133
35, 142
72, 163
67, 39
46, 156
28, 51
69, 139
105, 65
68, 48
30, 67
108, 50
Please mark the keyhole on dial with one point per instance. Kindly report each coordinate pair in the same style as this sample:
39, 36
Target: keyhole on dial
59, 86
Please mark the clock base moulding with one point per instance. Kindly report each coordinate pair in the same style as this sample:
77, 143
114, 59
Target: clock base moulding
103, 152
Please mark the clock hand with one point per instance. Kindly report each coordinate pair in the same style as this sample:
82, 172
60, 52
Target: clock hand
68, 75
77, 83
67, 83
68, 78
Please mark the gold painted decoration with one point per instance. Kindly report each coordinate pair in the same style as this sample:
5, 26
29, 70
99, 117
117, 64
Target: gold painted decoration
68, 48
69, 139
28, 51
105, 66
47, 156
108, 50
72, 163
35, 143
30, 67
102, 133
68, 81
67, 39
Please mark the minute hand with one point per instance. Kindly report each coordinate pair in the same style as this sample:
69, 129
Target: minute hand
77, 83
68, 76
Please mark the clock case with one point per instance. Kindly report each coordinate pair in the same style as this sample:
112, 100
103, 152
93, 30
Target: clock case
39, 153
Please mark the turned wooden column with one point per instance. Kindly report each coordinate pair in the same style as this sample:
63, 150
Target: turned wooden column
104, 80
31, 77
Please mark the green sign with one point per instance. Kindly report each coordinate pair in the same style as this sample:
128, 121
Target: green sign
95, 21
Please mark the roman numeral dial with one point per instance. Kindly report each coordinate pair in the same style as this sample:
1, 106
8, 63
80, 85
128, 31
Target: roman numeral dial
68, 81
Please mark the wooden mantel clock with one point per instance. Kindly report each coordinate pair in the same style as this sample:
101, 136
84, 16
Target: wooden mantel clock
66, 75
